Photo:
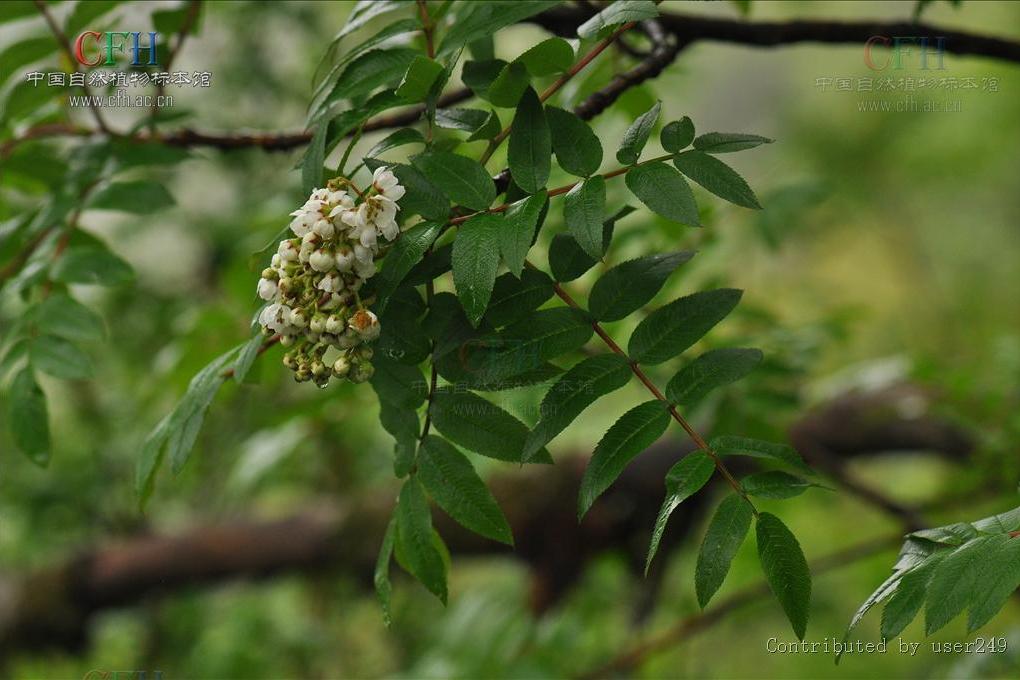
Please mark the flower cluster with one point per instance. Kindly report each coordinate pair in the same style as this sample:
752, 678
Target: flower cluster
313, 282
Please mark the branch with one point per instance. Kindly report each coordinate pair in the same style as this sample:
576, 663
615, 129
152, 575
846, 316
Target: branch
691, 28
540, 506
633, 656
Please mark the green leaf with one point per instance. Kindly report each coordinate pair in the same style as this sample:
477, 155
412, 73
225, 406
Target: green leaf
636, 136
1000, 581
906, 601
671, 329
475, 261
513, 298
189, 414
665, 192
958, 580
65, 317
246, 357
477, 20
775, 484
86, 12
418, 79
455, 486
423, 197
713, 369
9, 11
59, 358
149, 460
137, 198
552, 55
728, 142
726, 532
684, 480
583, 211
381, 577
528, 344
415, 543
370, 71
953, 534
631, 285
365, 11
312, 161
620, 12
677, 135
407, 251
480, 426
24, 52
785, 569
479, 75
509, 86
462, 179
400, 384
401, 137
403, 425
568, 261
28, 419
717, 177
91, 264
753, 448
635, 431
481, 124
576, 390
529, 150
578, 149
517, 233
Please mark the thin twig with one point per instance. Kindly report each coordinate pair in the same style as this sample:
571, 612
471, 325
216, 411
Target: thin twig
559, 83
685, 628
190, 19
65, 45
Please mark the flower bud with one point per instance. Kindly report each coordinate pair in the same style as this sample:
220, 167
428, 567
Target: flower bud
362, 372
303, 373
366, 324
334, 324
288, 251
286, 340
318, 368
341, 367
348, 339
365, 352
344, 258
317, 324
270, 274
267, 289
321, 260
298, 318
324, 228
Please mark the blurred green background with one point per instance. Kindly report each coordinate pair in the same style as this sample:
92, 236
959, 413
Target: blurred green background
889, 248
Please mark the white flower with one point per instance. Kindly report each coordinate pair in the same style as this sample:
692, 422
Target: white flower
324, 228
297, 318
275, 317
276, 262
331, 283
367, 237
334, 324
365, 324
319, 195
321, 260
287, 251
364, 270
362, 254
267, 289
301, 223
387, 184
344, 258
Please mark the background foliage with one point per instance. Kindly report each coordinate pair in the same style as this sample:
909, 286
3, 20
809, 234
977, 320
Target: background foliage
873, 261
